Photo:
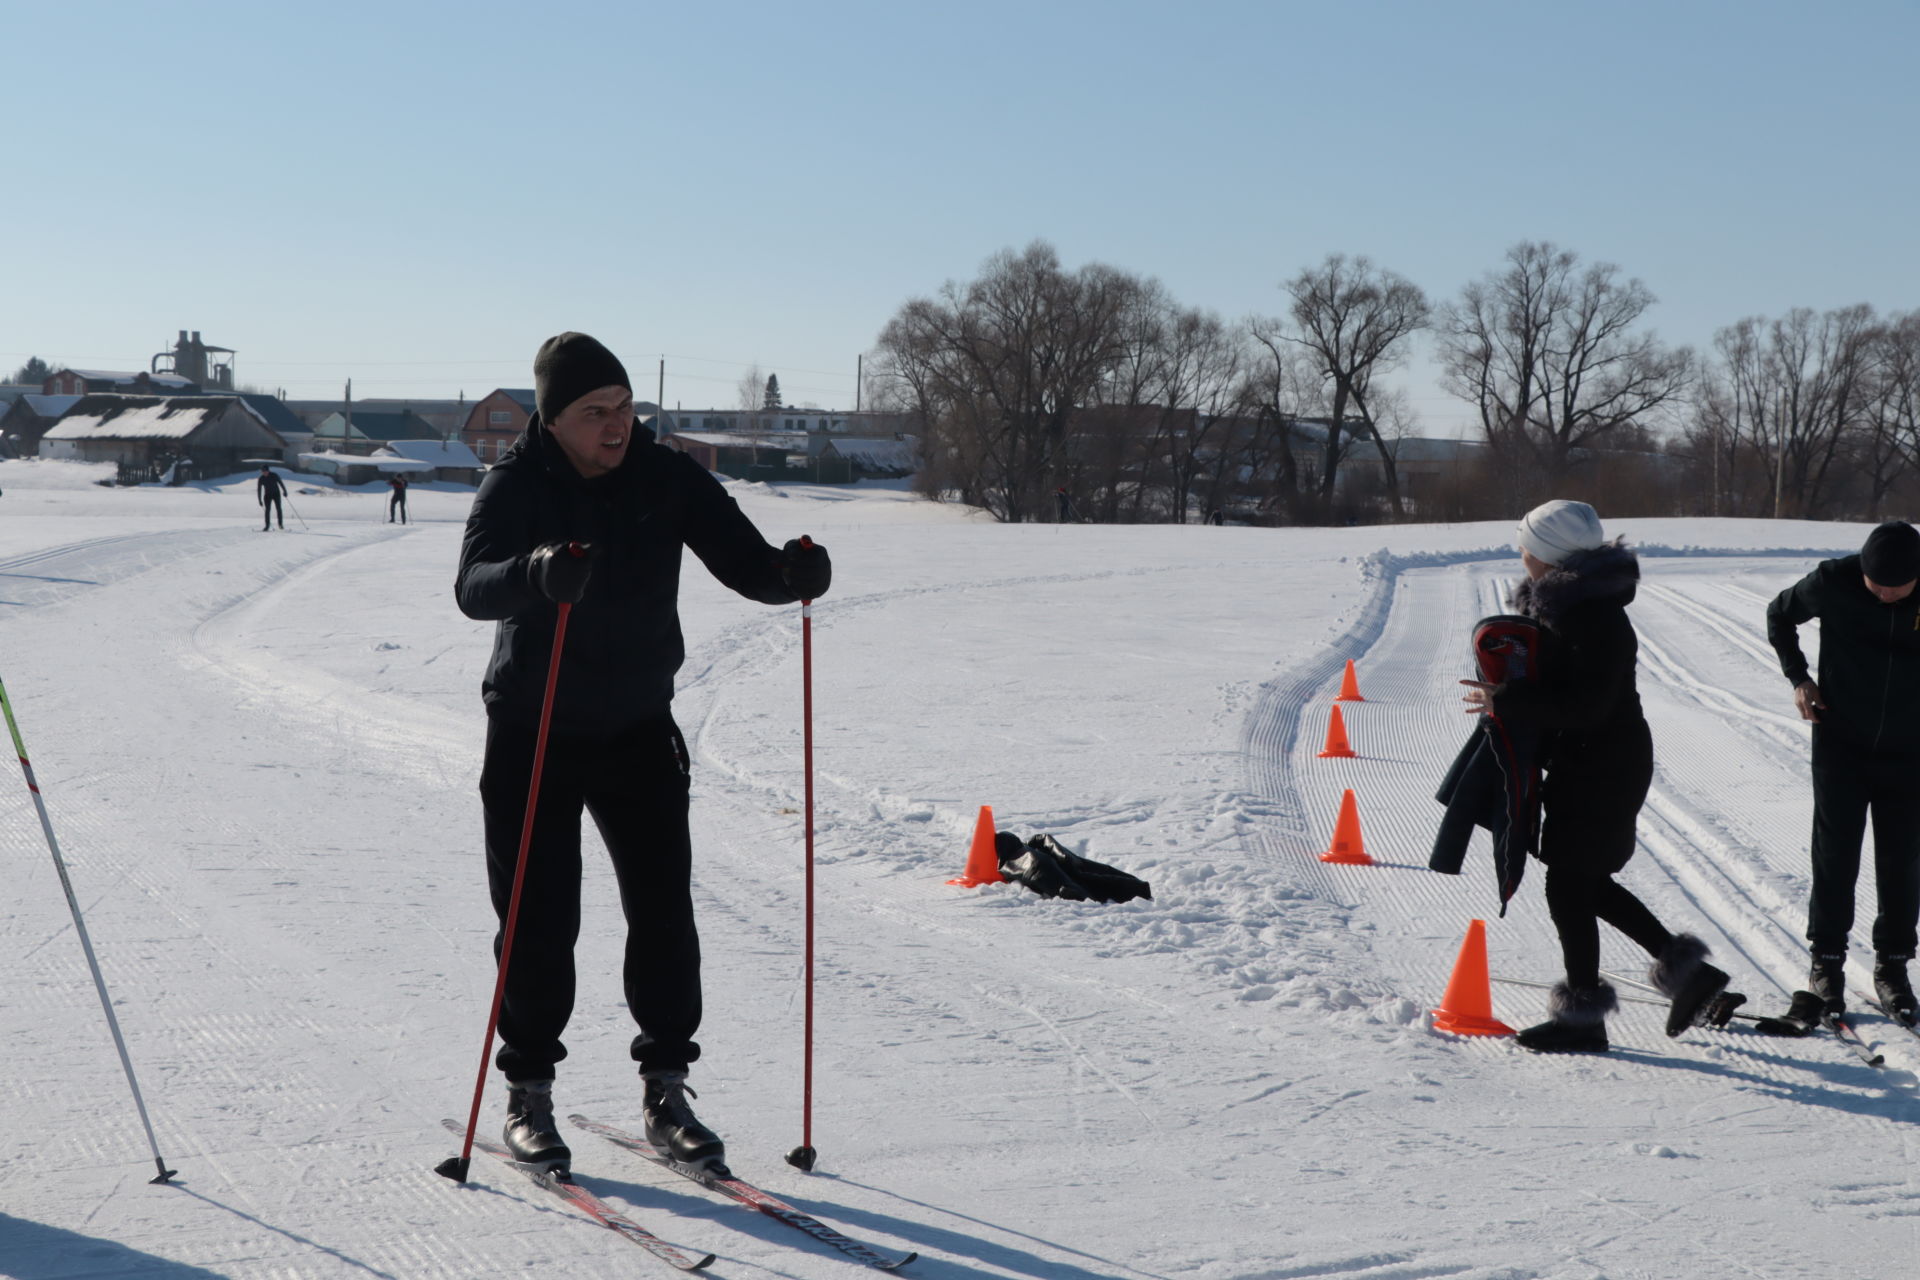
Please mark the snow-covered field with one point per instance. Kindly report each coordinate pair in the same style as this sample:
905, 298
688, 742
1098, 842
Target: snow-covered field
261, 753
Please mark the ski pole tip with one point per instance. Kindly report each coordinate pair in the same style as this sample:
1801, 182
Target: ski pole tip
454, 1167
166, 1175
802, 1158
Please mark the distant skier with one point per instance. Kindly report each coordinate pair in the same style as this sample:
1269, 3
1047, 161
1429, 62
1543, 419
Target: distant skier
1598, 757
585, 471
1063, 502
398, 500
1865, 710
268, 490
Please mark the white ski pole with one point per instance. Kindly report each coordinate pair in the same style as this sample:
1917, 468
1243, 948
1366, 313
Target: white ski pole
80, 927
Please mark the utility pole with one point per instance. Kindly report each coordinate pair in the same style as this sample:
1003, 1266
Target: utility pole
859, 379
660, 396
1780, 453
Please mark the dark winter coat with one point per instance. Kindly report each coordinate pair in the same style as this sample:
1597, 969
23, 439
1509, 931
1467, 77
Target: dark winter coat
1491, 785
623, 642
268, 486
1869, 659
1585, 706
1494, 781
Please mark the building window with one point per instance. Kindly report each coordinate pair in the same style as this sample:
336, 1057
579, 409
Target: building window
498, 417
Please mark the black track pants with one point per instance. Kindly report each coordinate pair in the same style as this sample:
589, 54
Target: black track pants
636, 789
1847, 789
1588, 835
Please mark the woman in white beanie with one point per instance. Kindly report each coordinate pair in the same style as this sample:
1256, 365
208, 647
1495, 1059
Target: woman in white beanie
1598, 757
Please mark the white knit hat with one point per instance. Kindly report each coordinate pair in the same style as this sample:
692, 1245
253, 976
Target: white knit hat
1555, 530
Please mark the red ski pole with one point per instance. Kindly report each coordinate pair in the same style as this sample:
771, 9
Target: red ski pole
803, 1156
455, 1167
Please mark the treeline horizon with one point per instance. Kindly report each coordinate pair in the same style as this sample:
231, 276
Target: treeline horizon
1031, 378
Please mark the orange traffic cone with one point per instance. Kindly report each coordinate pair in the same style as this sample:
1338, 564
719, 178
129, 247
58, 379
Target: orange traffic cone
1467, 1008
1349, 686
1336, 738
1348, 848
983, 865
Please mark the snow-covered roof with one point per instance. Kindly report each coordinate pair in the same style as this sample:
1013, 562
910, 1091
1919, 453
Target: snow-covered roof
876, 455
168, 380
51, 406
387, 463
796, 441
109, 417
103, 375
432, 453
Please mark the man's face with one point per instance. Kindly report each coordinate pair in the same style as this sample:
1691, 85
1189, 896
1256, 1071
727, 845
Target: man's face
594, 430
1889, 595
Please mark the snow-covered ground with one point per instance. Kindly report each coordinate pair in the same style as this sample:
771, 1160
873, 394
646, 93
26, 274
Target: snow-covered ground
260, 752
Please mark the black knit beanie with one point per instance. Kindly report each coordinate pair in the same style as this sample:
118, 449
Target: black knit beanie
569, 366
1892, 554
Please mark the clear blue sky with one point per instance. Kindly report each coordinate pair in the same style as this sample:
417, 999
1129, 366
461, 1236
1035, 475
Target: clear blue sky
414, 195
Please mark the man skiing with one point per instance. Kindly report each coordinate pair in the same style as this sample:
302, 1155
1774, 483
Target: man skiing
398, 500
586, 472
268, 491
1865, 709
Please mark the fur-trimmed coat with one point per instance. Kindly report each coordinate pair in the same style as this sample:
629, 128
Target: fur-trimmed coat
1595, 745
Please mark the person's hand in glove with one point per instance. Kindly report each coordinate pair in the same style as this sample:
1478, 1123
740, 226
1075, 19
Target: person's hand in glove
805, 568
559, 570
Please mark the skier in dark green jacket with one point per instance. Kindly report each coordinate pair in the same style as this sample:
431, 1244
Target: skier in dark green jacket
1865, 709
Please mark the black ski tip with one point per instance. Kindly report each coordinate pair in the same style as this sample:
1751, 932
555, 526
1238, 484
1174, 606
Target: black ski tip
802, 1158
703, 1263
454, 1167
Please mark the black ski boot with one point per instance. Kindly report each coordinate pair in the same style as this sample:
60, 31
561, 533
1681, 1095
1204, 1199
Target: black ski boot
1578, 1021
1828, 980
1894, 991
1682, 974
531, 1133
673, 1129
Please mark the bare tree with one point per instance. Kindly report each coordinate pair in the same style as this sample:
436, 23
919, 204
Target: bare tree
1354, 319
999, 370
1553, 361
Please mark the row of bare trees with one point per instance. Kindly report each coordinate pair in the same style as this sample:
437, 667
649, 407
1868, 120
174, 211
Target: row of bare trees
1033, 380
1811, 414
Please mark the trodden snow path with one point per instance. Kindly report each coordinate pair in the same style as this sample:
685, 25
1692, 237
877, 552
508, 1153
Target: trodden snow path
261, 753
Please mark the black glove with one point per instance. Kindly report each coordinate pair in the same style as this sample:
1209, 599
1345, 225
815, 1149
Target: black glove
805, 569
559, 570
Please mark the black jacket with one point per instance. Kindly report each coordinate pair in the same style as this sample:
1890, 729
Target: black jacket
267, 486
1585, 703
1494, 781
1869, 658
623, 642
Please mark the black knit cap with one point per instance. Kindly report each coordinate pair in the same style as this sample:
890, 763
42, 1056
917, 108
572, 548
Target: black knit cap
1892, 554
569, 366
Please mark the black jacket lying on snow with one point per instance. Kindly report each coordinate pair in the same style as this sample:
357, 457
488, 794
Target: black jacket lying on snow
1869, 658
623, 642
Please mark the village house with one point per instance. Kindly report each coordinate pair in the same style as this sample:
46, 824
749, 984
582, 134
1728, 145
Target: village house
27, 419
368, 431
80, 382
146, 434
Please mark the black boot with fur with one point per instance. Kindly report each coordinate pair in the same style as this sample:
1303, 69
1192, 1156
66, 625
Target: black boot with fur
1578, 1021
1683, 975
